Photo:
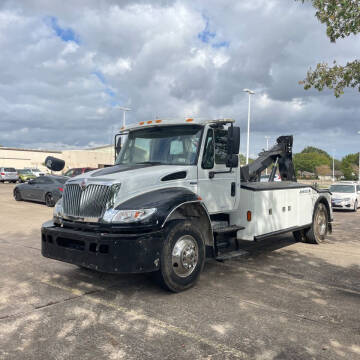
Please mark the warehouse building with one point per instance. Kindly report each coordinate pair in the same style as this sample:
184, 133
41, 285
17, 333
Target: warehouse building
31, 158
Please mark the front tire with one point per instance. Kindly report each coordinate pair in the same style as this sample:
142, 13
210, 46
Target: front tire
49, 200
182, 257
319, 227
355, 206
17, 195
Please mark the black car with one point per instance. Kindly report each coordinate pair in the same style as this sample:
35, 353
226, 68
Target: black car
47, 189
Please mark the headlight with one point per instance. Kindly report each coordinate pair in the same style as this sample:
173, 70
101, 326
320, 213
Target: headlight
58, 209
127, 216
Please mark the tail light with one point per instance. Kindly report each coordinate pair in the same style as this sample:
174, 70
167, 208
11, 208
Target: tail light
61, 189
2, 173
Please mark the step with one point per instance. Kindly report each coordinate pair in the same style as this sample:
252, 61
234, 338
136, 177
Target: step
231, 255
228, 229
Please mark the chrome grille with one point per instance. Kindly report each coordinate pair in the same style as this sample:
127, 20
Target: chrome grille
90, 202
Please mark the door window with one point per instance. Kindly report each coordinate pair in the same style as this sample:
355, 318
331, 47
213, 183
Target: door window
208, 157
220, 146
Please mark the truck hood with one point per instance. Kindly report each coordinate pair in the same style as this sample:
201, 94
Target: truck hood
138, 179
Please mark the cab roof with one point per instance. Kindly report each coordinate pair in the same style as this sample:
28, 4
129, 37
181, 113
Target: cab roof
165, 122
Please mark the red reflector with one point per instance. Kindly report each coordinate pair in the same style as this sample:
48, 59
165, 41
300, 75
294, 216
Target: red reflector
61, 189
248, 216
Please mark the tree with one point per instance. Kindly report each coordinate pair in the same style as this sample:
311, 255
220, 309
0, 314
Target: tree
312, 149
309, 161
342, 18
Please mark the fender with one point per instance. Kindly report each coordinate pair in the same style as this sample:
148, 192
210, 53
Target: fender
165, 200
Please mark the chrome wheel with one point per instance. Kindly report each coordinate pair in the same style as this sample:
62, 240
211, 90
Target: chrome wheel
185, 256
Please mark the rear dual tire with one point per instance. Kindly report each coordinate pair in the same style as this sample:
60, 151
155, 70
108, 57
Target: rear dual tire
316, 234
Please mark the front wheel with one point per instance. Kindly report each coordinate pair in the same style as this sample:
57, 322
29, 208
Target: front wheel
17, 195
49, 200
182, 257
355, 206
319, 227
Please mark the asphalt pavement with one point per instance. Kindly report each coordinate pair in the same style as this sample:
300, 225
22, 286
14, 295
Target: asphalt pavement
286, 300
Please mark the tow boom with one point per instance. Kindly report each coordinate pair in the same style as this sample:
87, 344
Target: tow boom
280, 154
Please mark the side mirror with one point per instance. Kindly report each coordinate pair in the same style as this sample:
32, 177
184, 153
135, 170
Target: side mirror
54, 164
233, 147
117, 146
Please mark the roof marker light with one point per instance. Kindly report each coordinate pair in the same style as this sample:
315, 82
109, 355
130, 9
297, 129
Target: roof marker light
189, 120
141, 123
149, 122
158, 121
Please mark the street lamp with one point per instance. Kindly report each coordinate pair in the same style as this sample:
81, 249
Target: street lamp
267, 148
359, 162
124, 109
250, 92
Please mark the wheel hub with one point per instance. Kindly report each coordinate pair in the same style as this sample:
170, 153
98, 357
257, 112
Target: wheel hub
185, 256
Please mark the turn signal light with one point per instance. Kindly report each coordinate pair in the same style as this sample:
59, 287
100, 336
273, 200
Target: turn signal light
248, 216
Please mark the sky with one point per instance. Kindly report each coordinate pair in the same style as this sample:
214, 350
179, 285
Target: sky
66, 67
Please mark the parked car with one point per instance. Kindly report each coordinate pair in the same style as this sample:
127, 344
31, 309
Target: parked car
8, 174
25, 175
78, 171
47, 189
345, 195
36, 172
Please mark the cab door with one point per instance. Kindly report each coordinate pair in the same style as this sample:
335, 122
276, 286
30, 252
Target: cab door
218, 192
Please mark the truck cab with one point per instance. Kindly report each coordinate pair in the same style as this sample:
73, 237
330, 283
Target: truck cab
175, 196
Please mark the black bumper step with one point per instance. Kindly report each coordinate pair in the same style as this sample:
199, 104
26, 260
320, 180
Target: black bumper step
228, 229
231, 255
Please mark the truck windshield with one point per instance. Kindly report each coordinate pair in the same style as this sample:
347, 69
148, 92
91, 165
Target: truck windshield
342, 188
168, 145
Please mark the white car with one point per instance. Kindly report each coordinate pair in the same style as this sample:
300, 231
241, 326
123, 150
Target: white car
36, 172
265, 178
345, 195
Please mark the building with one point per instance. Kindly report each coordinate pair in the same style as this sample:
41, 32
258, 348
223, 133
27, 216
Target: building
325, 173
30, 158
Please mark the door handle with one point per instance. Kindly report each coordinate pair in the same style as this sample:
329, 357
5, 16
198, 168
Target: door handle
233, 189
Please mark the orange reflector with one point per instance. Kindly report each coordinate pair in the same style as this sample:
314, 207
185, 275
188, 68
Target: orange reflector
123, 128
189, 120
141, 123
149, 122
158, 121
248, 216
137, 213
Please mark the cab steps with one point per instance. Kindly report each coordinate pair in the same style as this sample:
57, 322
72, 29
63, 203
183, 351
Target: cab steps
228, 229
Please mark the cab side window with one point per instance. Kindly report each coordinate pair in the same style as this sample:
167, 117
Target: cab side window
220, 146
208, 157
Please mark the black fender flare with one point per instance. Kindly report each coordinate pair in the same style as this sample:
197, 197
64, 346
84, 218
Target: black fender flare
322, 199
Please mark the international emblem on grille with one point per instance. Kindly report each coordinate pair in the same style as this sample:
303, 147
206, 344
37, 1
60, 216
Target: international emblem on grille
83, 185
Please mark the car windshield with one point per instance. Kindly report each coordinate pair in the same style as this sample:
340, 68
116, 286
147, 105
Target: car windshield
61, 180
9, 170
342, 189
24, 172
168, 145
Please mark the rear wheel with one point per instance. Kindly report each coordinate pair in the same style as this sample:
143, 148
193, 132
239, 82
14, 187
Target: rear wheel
319, 227
17, 195
49, 200
182, 257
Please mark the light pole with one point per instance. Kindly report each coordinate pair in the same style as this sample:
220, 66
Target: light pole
359, 161
124, 109
267, 148
250, 92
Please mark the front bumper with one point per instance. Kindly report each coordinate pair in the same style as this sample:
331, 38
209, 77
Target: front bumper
341, 205
105, 252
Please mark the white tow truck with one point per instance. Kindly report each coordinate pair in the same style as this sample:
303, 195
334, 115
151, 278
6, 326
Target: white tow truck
176, 196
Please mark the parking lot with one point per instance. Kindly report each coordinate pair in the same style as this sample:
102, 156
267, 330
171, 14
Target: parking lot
287, 300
